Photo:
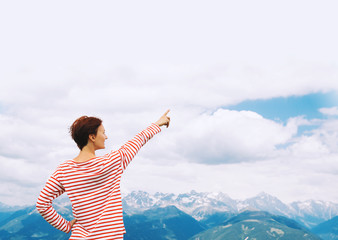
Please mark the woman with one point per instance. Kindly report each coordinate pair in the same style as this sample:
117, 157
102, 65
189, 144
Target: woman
93, 183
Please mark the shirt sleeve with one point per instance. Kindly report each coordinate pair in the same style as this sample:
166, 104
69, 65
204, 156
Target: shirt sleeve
52, 190
130, 148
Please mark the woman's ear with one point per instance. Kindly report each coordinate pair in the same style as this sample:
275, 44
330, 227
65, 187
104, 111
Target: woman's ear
92, 137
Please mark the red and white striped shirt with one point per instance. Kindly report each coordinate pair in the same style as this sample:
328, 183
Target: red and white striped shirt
93, 188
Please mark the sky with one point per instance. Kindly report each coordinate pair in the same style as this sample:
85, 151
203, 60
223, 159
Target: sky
252, 90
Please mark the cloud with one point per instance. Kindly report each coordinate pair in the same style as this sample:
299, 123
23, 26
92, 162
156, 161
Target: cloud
227, 136
289, 179
320, 142
136, 89
329, 111
33, 139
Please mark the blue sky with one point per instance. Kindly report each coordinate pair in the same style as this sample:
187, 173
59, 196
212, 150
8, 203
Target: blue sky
283, 108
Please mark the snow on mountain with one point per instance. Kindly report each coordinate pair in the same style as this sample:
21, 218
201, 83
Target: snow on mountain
320, 208
266, 202
313, 212
202, 205
195, 204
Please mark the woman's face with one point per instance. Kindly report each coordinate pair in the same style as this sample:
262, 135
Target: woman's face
100, 138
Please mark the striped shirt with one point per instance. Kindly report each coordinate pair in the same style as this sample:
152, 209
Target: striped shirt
93, 188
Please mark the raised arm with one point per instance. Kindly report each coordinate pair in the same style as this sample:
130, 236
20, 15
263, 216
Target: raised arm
52, 190
129, 150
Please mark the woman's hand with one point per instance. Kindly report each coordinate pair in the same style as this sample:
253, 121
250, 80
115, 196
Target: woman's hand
164, 120
72, 223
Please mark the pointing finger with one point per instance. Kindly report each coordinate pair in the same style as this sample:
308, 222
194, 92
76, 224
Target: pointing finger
166, 112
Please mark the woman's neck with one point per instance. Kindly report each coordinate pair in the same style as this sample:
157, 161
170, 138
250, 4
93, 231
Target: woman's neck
85, 154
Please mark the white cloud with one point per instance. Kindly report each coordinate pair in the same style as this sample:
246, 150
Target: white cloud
309, 145
320, 142
21, 172
231, 136
289, 179
329, 111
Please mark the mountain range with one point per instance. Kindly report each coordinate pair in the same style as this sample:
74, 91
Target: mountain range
202, 205
192, 216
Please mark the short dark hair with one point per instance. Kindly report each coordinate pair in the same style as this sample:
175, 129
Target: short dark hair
82, 128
